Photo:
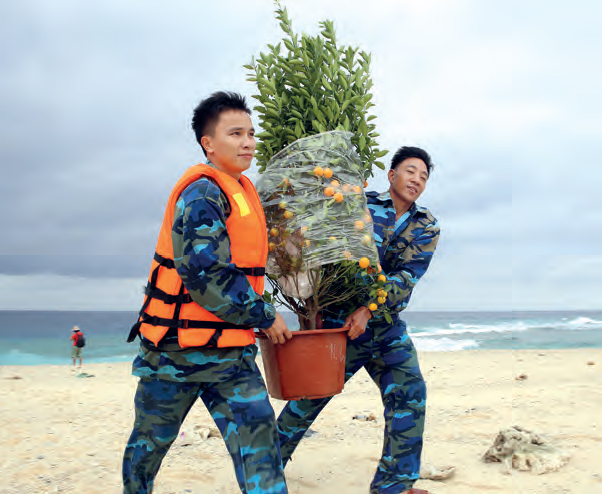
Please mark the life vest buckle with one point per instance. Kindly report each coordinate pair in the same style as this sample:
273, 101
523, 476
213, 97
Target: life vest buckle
183, 323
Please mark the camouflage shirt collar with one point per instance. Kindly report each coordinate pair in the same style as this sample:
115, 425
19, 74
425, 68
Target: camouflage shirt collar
385, 197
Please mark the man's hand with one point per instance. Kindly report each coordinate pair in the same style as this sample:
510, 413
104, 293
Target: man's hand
278, 332
357, 321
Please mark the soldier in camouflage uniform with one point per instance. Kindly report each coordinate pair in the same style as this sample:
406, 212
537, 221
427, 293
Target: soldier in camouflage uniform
406, 236
226, 379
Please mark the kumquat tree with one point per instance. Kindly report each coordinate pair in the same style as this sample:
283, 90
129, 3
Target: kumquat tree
315, 153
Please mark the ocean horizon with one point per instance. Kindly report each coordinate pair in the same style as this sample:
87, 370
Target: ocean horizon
42, 337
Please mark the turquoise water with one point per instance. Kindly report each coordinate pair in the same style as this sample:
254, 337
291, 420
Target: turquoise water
42, 337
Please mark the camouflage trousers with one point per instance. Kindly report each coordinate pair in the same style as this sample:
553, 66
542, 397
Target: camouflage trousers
242, 412
389, 356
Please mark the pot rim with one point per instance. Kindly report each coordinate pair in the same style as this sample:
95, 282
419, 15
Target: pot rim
306, 332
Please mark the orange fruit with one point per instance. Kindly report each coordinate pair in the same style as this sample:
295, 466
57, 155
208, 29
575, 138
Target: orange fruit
359, 225
346, 188
271, 246
318, 172
364, 262
365, 184
282, 204
332, 239
357, 189
382, 278
335, 184
327, 172
288, 214
338, 197
367, 218
274, 232
328, 191
373, 307
366, 240
378, 267
347, 254
303, 229
381, 300
307, 243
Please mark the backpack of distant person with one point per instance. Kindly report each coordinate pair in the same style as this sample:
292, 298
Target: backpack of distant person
81, 341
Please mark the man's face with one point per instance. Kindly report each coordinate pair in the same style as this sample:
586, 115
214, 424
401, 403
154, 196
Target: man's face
408, 179
232, 145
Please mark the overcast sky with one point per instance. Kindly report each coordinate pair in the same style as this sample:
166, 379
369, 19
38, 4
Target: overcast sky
95, 107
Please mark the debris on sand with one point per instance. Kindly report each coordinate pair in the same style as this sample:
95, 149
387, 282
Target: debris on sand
524, 450
431, 472
365, 418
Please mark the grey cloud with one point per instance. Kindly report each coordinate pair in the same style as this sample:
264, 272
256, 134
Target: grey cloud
96, 100
95, 118
79, 266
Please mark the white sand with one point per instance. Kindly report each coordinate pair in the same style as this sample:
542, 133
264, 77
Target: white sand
66, 434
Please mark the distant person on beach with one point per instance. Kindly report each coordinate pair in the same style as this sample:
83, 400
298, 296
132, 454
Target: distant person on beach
406, 237
79, 342
203, 299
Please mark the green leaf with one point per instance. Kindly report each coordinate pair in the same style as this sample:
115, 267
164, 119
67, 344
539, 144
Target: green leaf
264, 135
362, 142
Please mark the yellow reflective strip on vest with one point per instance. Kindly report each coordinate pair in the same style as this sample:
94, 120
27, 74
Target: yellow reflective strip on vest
242, 204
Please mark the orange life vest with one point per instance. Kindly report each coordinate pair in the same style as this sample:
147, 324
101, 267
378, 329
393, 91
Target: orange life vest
168, 304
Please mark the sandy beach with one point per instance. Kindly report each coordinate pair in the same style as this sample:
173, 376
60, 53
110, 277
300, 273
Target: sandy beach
63, 433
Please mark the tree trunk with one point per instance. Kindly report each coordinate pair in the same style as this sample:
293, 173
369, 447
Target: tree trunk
309, 322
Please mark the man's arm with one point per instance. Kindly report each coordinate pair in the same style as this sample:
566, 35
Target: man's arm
410, 267
203, 259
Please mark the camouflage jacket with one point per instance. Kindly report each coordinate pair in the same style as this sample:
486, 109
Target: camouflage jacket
405, 249
202, 256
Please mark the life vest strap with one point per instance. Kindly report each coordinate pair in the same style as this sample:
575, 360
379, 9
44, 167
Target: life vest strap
164, 261
214, 337
152, 292
135, 331
186, 323
150, 346
166, 298
170, 264
253, 271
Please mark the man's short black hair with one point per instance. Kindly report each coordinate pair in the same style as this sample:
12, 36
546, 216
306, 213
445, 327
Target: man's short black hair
207, 113
406, 152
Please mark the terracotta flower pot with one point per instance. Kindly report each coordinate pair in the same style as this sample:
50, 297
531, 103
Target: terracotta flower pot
309, 365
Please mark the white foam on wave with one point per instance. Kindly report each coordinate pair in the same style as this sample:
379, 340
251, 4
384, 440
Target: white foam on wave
459, 328
442, 344
583, 323
577, 324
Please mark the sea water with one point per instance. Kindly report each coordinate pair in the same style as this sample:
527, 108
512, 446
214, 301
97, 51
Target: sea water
42, 337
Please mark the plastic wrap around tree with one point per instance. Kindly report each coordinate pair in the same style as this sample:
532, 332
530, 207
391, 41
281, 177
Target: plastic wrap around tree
316, 211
